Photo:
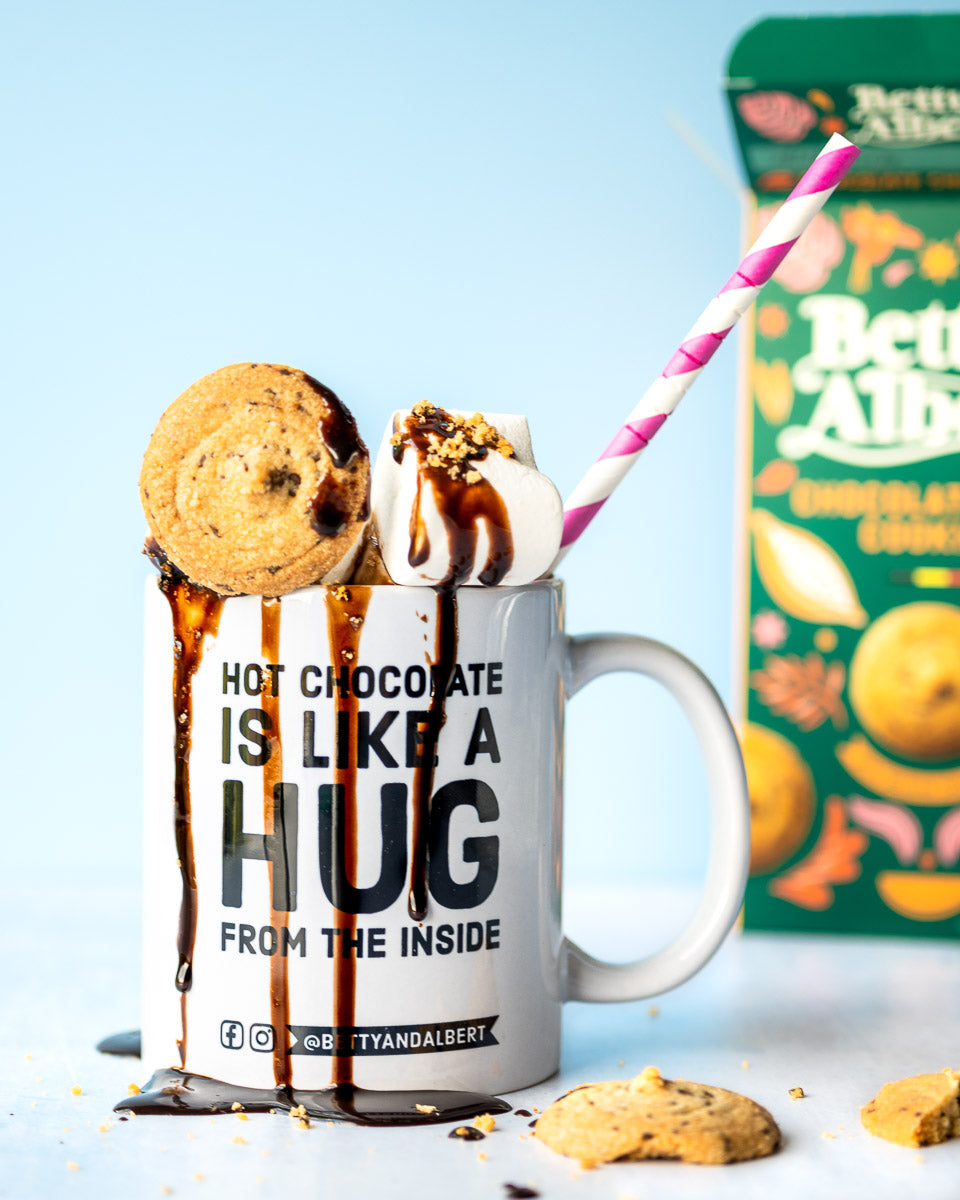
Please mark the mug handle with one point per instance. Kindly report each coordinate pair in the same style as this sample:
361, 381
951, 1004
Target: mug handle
588, 978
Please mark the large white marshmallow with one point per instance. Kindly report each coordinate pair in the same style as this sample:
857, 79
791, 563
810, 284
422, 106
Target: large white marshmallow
533, 505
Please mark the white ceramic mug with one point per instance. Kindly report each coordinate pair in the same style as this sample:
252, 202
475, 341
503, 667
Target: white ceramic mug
309, 723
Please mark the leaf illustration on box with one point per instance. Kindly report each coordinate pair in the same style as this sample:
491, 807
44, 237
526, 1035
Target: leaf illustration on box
803, 575
823, 100
875, 236
777, 477
897, 826
835, 859
805, 691
895, 273
773, 389
946, 838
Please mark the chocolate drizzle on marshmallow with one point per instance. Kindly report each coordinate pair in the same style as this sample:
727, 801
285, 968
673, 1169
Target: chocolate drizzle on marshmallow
446, 446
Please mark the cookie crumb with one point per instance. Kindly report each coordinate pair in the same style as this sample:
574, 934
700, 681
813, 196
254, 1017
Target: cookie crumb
745, 1065
165, 1191
236, 1106
649, 1077
303, 1122
653, 1011
426, 1108
797, 1093
484, 1122
132, 1089
76, 1090
238, 1141
198, 1176
72, 1166
242, 1117
828, 1135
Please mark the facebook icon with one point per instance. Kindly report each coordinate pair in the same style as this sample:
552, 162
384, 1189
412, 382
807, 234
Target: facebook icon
231, 1035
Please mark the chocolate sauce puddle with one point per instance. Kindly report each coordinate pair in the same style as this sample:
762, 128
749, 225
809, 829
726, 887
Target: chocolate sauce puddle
272, 783
174, 1092
123, 1045
196, 613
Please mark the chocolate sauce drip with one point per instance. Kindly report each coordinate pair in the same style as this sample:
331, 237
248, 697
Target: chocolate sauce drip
522, 1112
444, 658
516, 1191
196, 613
462, 506
337, 428
178, 1092
125, 1045
272, 778
467, 1133
346, 610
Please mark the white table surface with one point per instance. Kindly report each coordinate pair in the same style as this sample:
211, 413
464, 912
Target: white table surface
836, 1016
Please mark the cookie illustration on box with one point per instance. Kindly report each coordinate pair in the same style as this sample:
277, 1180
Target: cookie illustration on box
782, 797
905, 681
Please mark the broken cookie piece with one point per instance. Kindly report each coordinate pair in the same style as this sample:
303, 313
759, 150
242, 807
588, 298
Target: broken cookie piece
653, 1117
919, 1111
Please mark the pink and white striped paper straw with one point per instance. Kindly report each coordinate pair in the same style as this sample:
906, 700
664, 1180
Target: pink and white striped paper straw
704, 338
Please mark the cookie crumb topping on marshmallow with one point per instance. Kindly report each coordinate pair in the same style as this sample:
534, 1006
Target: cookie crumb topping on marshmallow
452, 440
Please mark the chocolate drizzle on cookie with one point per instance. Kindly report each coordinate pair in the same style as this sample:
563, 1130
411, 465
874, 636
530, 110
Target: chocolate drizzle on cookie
337, 428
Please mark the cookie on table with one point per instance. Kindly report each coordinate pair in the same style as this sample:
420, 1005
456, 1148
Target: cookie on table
782, 797
916, 1112
653, 1117
905, 680
256, 481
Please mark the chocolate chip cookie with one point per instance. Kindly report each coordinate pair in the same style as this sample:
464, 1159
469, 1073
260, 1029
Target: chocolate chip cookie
256, 481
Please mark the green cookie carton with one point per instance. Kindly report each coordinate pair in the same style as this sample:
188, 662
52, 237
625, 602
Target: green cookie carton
849, 607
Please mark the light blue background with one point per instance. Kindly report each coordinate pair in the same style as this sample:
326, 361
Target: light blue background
485, 204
